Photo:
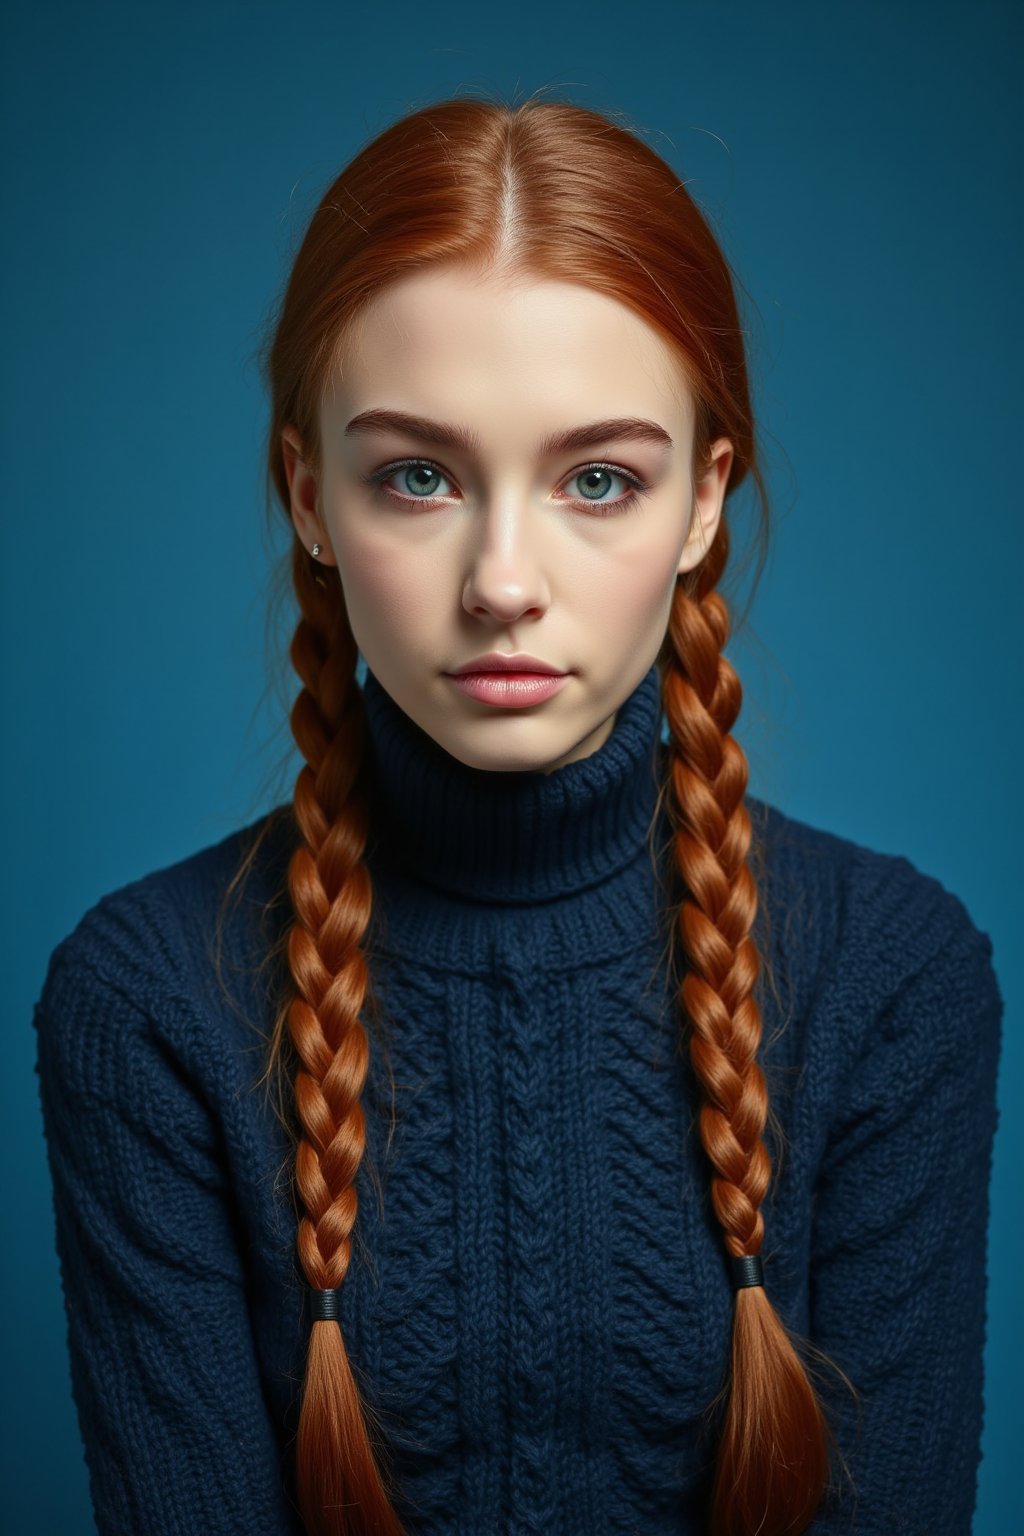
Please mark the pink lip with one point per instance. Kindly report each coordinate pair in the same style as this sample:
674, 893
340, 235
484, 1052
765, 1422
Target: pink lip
509, 690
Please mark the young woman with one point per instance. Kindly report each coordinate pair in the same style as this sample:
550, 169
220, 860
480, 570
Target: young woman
628, 1164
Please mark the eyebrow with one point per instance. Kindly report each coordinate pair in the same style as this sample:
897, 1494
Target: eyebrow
620, 428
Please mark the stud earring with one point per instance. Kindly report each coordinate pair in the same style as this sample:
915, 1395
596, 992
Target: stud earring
316, 549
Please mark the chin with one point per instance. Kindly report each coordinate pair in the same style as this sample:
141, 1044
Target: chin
504, 760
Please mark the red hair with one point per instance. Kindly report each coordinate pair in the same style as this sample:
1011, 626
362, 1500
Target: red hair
546, 190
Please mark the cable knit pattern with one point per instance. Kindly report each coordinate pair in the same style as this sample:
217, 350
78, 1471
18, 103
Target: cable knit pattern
538, 1309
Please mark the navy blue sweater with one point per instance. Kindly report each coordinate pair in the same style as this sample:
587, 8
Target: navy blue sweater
539, 1307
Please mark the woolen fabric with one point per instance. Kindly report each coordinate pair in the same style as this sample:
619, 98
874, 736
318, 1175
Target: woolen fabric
538, 1306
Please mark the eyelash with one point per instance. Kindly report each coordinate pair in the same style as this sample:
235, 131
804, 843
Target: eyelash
603, 508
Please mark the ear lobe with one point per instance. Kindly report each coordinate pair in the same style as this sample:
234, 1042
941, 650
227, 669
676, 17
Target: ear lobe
700, 535
695, 548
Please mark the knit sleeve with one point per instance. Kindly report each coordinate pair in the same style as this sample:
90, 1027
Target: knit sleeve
177, 1435
898, 1265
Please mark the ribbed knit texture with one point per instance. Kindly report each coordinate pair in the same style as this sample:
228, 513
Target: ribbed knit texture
538, 1307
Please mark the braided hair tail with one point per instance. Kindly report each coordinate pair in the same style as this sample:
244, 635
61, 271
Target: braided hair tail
772, 1458
341, 1488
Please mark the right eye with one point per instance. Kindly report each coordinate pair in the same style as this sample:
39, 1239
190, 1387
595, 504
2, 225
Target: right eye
418, 477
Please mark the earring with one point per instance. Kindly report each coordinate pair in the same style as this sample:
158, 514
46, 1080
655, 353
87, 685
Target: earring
316, 549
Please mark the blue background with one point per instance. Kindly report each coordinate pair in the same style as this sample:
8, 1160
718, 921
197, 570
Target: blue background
860, 164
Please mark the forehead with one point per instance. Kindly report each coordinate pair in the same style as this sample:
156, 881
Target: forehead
450, 341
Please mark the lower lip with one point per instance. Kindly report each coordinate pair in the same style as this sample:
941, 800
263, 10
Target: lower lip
509, 690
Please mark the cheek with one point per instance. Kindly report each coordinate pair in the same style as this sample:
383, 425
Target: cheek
388, 589
631, 590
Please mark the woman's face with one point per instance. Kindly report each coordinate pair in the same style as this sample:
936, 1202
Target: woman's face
507, 468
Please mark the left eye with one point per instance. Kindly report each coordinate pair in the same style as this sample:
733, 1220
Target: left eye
594, 481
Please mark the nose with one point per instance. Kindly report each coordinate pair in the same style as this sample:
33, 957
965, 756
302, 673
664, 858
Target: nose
505, 580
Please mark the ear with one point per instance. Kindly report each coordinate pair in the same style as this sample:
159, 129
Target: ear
708, 501
304, 494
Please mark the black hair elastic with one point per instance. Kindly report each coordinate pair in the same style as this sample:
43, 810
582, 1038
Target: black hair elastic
323, 1305
746, 1270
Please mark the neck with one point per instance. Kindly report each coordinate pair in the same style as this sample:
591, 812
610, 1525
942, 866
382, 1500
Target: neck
511, 837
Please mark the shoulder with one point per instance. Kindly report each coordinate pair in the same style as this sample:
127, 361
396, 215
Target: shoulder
158, 920
142, 964
857, 935
850, 897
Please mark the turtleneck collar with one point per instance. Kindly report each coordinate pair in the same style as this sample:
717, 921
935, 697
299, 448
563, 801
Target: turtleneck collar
518, 837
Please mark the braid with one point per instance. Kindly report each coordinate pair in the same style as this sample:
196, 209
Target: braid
772, 1460
339, 1483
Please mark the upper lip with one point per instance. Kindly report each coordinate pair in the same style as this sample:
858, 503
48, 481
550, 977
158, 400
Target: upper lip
498, 661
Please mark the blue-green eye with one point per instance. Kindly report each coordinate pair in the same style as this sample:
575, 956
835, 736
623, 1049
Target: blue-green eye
595, 479
422, 480
418, 480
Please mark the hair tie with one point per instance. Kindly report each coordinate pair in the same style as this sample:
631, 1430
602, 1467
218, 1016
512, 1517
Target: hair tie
323, 1305
746, 1270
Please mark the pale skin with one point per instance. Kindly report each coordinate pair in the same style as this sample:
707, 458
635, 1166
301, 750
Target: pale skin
494, 545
